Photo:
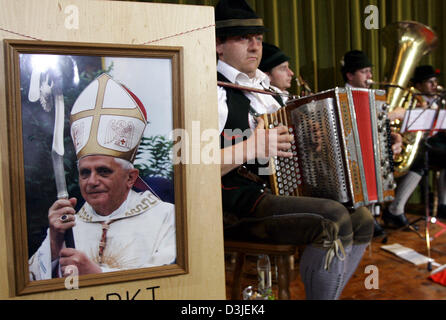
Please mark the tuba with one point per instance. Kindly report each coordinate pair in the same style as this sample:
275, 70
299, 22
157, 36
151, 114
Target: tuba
408, 42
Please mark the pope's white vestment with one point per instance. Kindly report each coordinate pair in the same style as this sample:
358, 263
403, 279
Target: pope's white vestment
141, 234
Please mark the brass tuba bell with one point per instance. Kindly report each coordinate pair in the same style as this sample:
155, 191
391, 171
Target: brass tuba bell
408, 42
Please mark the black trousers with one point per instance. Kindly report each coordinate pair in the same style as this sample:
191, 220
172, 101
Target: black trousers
301, 221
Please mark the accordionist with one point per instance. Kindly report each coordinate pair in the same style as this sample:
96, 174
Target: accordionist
335, 238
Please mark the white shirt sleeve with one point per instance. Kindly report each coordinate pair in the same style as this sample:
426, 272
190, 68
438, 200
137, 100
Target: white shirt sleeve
222, 108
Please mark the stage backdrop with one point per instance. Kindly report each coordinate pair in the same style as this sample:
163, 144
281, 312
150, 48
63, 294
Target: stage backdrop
317, 33
131, 23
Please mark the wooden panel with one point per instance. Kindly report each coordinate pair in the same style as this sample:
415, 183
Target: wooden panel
133, 23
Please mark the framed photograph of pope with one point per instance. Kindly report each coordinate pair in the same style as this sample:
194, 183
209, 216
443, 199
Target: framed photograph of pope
96, 192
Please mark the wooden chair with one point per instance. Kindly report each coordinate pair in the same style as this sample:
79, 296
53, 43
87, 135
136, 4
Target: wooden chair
283, 254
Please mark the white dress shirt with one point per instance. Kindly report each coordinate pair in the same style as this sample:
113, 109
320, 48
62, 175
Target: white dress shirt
285, 95
431, 102
261, 103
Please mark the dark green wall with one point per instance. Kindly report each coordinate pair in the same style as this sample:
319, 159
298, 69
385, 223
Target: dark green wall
316, 33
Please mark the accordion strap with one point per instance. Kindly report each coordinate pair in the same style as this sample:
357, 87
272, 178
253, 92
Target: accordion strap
244, 88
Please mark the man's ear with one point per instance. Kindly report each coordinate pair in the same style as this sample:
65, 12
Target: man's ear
133, 175
349, 76
219, 47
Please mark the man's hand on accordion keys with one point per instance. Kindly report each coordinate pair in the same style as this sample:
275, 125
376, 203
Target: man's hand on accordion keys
262, 144
396, 114
397, 143
271, 142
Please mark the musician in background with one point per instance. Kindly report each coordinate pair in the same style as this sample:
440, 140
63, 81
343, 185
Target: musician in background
356, 69
275, 64
336, 239
425, 80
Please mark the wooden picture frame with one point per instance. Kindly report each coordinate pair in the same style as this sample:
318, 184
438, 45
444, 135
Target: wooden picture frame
22, 159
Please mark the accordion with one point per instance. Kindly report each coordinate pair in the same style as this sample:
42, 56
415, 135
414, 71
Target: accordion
341, 149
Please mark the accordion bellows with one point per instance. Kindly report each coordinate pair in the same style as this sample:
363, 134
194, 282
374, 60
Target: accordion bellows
342, 147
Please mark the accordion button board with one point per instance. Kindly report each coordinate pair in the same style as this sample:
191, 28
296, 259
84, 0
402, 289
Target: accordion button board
341, 149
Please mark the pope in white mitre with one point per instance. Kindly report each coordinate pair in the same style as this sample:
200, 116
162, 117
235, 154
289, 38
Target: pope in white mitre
117, 228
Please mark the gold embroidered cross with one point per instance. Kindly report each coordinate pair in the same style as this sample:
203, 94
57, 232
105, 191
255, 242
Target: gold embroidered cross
96, 114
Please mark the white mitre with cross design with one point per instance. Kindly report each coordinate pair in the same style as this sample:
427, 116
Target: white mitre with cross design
107, 119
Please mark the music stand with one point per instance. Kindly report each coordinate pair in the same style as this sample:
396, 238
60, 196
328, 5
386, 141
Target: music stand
427, 120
